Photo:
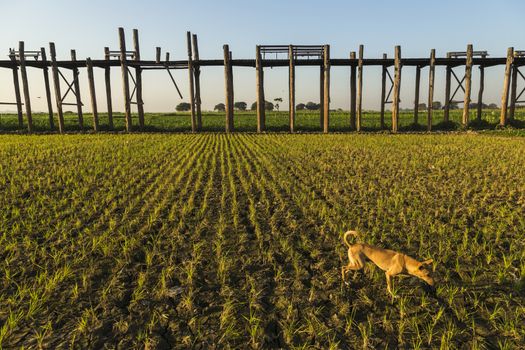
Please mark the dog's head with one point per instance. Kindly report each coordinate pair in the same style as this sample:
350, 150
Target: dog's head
422, 272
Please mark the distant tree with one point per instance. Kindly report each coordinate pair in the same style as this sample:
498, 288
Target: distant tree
277, 101
268, 106
219, 107
453, 105
436, 105
183, 107
311, 106
254, 106
241, 106
422, 106
493, 106
300, 107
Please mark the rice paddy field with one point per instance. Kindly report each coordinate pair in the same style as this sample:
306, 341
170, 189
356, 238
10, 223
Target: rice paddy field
176, 241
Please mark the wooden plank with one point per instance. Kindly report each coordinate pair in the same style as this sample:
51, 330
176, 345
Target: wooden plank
448, 77
91, 82
138, 80
353, 93
16, 85
326, 93
416, 94
383, 93
25, 86
228, 89
56, 84
396, 89
359, 88
197, 73
431, 77
76, 86
506, 83
259, 76
125, 79
321, 97
107, 79
191, 83
47, 88
513, 91
481, 89
291, 89
468, 85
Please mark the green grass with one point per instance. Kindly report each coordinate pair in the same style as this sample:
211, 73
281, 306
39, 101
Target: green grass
234, 241
307, 121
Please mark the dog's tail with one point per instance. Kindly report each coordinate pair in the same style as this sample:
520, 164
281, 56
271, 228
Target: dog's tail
349, 233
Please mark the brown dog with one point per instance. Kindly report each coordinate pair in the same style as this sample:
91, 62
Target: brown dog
392, 262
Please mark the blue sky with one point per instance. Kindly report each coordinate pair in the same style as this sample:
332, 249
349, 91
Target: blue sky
417, 26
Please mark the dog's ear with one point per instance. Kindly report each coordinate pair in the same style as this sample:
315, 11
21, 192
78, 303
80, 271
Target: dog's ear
428, 262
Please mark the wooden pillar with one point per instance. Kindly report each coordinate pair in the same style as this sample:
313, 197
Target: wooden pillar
326, 93
481, 88
47, 87
138, 80
291, 88
56, 81
25, 86
506, 83
360, 88
125, 78
416, 94
383, 93
18, 97
191, 83
228, 88
76, 85
397, 88
197, 73
157, 54
259, 76
91, 81
448, 76
107, 78
353, 92
321, 97
431, 76
513, 91
468, 86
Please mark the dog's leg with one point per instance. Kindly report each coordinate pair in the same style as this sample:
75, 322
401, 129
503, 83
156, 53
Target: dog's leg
354, 263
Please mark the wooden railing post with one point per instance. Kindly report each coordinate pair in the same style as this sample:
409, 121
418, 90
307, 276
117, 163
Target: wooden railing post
326, 94
360, 89
25, 86
107, 78
431, 77
138, 80
353, 92
468, 86
125, 78
228, 88
446, 107
197, 74
91, 81
383, 93
259, 76
291, 88
16, 85
191, 83
416, 94
321, 97
481, 88
506, 82
397, 88
56, 81
47, 88
513, 91
76, 85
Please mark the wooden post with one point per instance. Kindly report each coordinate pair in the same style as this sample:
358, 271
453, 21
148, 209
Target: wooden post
468, 85
16, 84
514, 85
138, 80
125, 78
446, 108
506, 84
25, 86
56, 81
321, 97
167, 60
481, 88
157, 54
197, 73
326, 93
416, 94
353, 92
291, 87
431, 75
228, 89
48, 89
360, 88
76, 85
259, 76
397, 88
383, 92
91, 81
107, 76
191, 84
